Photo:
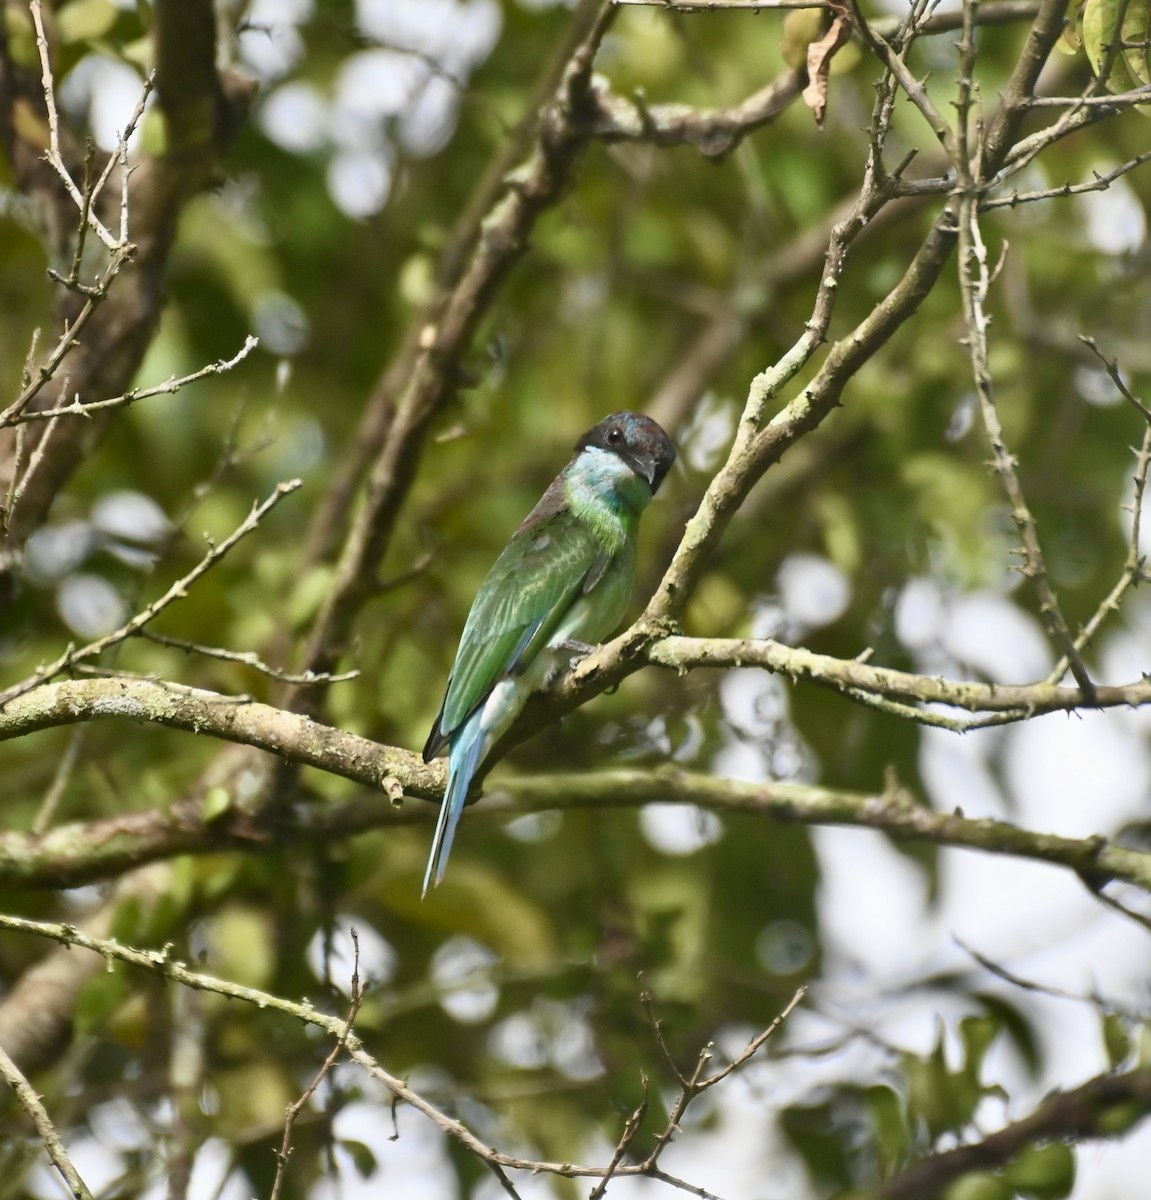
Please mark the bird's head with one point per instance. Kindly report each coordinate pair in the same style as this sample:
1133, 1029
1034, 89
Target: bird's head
638, 441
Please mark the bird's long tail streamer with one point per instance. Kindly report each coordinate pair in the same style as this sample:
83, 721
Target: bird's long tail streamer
463, 761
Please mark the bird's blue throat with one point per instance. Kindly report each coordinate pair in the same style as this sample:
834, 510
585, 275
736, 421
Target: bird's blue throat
603, 491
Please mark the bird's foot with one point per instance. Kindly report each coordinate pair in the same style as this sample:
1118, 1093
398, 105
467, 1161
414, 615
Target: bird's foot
576, 648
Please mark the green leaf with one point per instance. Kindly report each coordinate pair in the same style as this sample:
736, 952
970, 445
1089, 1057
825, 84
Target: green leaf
977, 1033
100, 997
1044, 1172
1117, 1038
930, 1096
244, 945
1119, 1118
1125, 46
800, 29
891, 1129
1070, 40
362, 1157
816, 1132
979, 1185
1015, 1025
217, 801
83, 20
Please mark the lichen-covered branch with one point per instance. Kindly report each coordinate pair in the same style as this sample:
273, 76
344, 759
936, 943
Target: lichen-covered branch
83, 851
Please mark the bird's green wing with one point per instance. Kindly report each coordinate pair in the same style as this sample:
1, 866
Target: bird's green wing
527, 593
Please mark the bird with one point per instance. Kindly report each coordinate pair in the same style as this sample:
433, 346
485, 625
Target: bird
560, 585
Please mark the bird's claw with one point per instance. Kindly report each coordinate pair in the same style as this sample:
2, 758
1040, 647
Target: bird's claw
579, 650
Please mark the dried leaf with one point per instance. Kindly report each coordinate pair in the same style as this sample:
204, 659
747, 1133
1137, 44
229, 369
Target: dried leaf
819, 56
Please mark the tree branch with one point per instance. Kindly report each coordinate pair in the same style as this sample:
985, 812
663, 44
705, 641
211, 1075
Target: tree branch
76, 853
30, 1102
713, 131
1088, 1111
71, 657
162, 964
205, 110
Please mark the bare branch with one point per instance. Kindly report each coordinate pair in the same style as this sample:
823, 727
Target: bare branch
1134, 568
1003, 130
31, 1104
162, 964
756, 449
204, 108
699, 1081
975, 281
79, 853
691, 6
997, 12
1094, 999
67, 341
297, 1106
63, 773
247, 658
17, 412
82, 201
714, 132
404, 406
1099, 184
630, 1129
915, 90
177, 591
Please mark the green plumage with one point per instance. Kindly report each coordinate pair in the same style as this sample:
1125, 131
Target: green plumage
565, 576
532, 586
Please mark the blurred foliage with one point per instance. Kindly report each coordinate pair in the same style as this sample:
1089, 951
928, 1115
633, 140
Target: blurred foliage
515, 984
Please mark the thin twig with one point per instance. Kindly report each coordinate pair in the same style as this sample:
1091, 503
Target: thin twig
645, 998
915, 90
1096, 889
1099, 184
63, 773
1116, 100
247, 658
998, 12
690, 6
503, 1180
161, 963
120, 155
30, 1102
1094, 999
699, 1081
297, 1106
630, 1129
68, 339
975, 282
1134, 566
1111, 366
53, 154
15, 414
177, 591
